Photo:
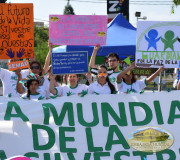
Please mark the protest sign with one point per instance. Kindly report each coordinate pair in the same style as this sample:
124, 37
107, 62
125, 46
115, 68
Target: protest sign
142, 71
158, 44
77, 29
93, 127
70, 62
16, 31
18, 65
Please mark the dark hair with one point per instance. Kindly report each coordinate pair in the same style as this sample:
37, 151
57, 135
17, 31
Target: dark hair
113, 55
73, 73
28, 83
133, 80
111, 86
39, 64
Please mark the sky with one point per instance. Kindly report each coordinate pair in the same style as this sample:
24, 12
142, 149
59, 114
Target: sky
150, 9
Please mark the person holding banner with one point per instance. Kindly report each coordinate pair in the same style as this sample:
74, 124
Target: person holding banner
103, 84
67, 90
113, 62
127, 82
9, 80
36, 68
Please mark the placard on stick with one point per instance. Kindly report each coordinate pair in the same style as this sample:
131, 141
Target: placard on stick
158, 44
18, 65
16, 31
70, 62
77, 29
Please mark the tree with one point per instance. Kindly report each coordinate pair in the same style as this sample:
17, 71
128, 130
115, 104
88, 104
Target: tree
68, 9
176, 3
41, 37
3, 1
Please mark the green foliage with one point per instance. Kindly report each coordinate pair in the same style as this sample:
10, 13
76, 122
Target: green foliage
68, 9
41, 37
41, 52
176, 3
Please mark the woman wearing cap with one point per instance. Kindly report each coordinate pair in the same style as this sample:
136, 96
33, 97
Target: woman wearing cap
103, 84
32, 83
127, 81
36, 68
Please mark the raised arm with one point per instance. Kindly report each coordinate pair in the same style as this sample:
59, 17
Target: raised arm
120, 76
178, 86
19, 86
153, 76
51, 86
93, 57
48, 58
88, 77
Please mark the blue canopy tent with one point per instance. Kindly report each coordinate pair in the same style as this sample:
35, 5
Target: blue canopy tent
121, 39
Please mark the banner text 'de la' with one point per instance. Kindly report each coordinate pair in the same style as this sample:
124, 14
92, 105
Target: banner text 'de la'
91, 127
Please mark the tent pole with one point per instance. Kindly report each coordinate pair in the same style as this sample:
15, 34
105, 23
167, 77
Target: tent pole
160, 82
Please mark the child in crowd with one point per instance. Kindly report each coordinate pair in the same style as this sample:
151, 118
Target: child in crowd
103, 84
32, 83
127, 81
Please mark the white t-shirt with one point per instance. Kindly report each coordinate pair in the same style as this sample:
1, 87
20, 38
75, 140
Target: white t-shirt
113, 79
34, 97
96, 88
64, 90
134, 87
44, 89
9, 80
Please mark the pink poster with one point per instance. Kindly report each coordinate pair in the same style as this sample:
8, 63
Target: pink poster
77, 29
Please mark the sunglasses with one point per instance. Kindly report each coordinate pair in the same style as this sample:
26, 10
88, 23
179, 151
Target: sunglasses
102, 74
114, 60
34, 67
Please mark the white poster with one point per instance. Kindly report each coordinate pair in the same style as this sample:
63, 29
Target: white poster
158, 44
94, 127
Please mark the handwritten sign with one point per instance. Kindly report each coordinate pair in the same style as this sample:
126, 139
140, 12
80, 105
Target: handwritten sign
16, 31
18, 65
142, 71
77, 30
70, 62
158, 44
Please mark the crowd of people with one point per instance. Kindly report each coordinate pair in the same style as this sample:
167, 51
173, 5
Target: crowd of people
37, 82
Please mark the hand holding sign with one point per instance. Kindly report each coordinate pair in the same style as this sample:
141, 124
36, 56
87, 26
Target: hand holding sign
96, 47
